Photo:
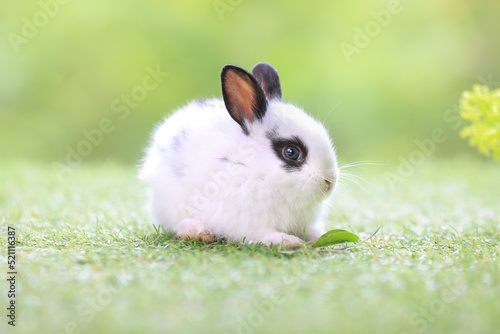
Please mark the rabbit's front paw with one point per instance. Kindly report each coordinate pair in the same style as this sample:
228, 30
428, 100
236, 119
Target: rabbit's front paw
192, 229
313, 234
278, 238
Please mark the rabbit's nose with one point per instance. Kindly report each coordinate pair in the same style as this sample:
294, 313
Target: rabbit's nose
328, 184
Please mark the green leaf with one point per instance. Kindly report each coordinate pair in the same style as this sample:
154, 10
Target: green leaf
334, 237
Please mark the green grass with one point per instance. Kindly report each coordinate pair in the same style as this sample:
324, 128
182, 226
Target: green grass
88, 256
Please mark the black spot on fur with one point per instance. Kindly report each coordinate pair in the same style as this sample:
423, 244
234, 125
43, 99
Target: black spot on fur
200, 102
178, 140
272, 134
177, 168
205, 103
278, 143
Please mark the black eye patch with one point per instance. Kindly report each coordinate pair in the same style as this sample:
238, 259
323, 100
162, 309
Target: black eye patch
292, 151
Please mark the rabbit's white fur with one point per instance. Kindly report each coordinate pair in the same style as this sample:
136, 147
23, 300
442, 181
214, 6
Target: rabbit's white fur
207, 178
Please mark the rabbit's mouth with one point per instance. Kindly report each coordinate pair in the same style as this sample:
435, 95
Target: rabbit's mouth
329, 186
328, 181
323, 189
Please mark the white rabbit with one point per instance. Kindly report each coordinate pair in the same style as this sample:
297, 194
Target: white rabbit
249, 167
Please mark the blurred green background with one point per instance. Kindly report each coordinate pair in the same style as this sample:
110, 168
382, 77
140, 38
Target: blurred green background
63, 65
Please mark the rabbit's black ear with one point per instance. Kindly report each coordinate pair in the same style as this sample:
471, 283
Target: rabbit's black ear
243, 96
268, 78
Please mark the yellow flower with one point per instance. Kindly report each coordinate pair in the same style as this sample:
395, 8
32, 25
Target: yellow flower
481, 108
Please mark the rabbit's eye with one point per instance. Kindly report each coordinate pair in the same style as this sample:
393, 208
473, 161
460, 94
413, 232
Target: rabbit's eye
292, 153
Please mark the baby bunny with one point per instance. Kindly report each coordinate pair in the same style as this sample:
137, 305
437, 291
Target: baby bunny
249, 167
